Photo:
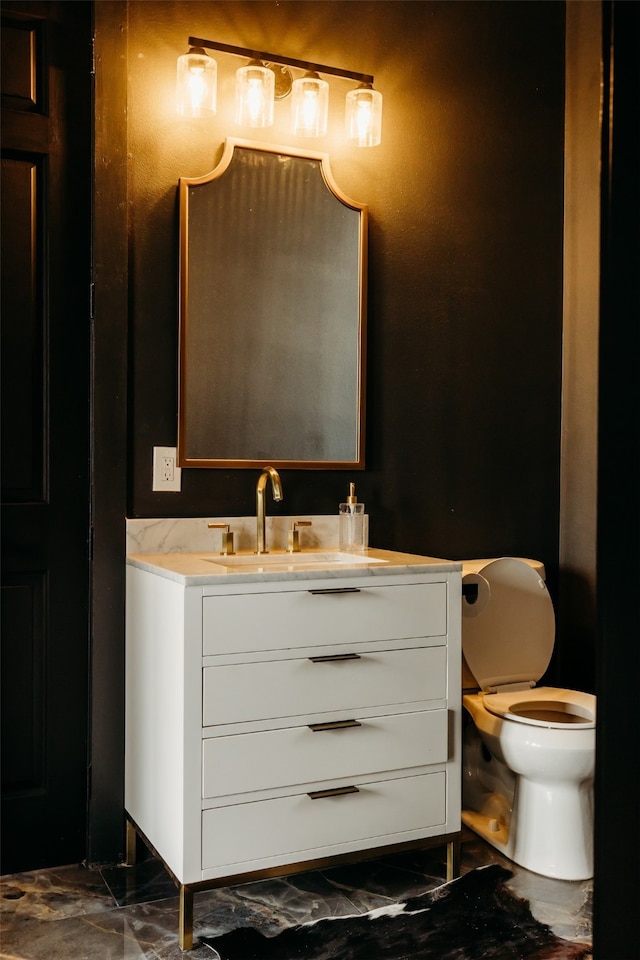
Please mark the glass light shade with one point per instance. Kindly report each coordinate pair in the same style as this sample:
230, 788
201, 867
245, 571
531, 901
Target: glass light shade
254, 95
363, 116
310, 106
197, 82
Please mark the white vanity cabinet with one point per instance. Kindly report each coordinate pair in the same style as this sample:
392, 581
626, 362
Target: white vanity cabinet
279, 725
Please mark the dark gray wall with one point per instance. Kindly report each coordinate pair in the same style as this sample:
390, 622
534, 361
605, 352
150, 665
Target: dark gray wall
465, 266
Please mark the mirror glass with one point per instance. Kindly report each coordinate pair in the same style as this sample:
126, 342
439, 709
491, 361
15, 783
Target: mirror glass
272, 313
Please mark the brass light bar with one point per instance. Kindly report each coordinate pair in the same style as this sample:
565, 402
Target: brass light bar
276, 58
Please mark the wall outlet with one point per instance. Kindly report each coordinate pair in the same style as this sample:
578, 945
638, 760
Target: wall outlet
166, 472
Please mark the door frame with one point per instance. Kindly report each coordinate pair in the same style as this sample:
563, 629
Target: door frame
109, 469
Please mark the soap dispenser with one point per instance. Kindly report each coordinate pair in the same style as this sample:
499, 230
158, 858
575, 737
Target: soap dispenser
352, 527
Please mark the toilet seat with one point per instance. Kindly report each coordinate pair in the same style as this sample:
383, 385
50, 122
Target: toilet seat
507, 641
553, 707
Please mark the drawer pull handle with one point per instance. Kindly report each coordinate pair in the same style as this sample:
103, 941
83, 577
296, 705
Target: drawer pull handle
336, 792
335, 658
334, 591
334, 725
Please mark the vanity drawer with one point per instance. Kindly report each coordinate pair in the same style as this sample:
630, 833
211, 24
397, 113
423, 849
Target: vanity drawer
236, 693
302, 618
276, 758
297, 826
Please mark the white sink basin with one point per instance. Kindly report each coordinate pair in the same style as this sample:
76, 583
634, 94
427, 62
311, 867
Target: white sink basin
302, 559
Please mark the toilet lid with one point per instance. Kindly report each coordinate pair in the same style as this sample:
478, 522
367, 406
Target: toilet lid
508, 632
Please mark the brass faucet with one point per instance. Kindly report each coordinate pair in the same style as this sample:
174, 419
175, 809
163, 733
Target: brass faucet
268, 472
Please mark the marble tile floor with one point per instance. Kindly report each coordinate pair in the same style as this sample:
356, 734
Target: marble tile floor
131, 913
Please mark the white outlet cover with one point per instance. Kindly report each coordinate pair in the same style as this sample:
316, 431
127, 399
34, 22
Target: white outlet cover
160, 455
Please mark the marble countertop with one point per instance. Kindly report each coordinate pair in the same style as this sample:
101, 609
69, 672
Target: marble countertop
208, 567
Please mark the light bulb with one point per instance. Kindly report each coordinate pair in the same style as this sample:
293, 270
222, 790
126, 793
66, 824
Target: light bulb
254, 95
363, 116
196, 84
310, 106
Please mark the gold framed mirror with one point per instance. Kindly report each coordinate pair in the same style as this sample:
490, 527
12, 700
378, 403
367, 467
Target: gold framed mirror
272, 324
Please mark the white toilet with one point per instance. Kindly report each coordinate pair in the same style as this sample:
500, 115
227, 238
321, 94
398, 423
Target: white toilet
528, 752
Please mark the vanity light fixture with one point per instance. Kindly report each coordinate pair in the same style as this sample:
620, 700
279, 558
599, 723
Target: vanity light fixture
266, 78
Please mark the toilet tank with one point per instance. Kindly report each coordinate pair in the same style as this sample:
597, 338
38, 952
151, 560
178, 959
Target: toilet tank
469, 682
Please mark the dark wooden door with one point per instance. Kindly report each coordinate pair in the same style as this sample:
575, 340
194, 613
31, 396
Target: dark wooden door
46, 264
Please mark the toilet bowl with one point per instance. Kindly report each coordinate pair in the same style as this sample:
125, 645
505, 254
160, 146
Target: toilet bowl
528, 751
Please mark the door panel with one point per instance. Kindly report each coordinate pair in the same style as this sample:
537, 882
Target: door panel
45, 249
23, 414
23, 681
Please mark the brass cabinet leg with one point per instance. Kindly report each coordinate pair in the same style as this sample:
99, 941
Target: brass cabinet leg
130, 848
453, 859
186, 918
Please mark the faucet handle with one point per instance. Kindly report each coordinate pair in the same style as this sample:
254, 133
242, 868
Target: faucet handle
293, 545
227, 538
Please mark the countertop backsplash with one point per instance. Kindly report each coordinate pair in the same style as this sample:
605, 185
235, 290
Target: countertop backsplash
188, 534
